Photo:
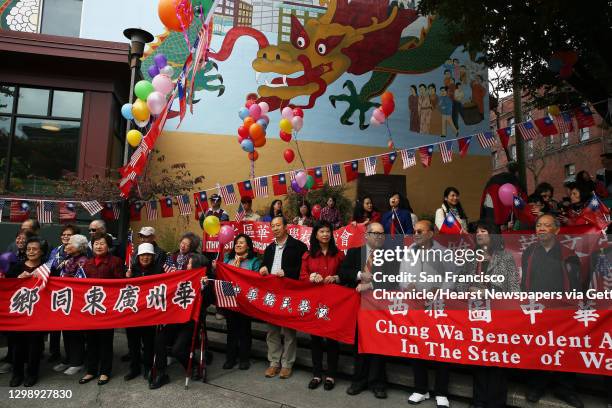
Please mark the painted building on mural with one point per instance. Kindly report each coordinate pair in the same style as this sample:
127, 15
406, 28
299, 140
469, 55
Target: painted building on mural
333, 60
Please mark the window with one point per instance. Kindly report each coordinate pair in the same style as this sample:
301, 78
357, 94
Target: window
285, 38
570, 170
510, 123
565, 139
62, 17
513, 152
286, 29
286, 20
585, 133
33, 123
530, 149
299, 12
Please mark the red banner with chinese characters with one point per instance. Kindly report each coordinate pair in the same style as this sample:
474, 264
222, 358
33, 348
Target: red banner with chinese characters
326, 310
564, 335
347, 237
87, 304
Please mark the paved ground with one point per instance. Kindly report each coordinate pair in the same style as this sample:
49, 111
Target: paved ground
225, 388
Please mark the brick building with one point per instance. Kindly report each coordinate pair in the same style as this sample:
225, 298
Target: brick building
553, 159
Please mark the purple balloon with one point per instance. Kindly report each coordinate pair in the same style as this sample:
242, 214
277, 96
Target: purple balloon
153, 70
160, 60
295, 186
6, 259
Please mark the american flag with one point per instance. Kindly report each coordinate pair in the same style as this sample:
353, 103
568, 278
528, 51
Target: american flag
92, 207
42, 273
44, 212
116, 211
446, 150
228, 194
1, 208
67, 212
226, 295
151, 207
261, 186
239, 213
486, 139
408, 158
528, 130
334, 177
564, 122
184, 204
370, 165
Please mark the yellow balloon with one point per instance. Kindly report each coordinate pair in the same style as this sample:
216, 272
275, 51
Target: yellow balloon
140, 111
134, 137
285, 126
554, 110
212, 226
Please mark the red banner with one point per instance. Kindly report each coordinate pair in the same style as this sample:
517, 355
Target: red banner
86, 304
573, 337
323, 310
346, 237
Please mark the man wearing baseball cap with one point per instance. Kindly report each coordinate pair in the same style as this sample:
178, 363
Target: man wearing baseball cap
146, 235
215, 209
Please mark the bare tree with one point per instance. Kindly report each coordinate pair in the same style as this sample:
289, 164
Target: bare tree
498, 88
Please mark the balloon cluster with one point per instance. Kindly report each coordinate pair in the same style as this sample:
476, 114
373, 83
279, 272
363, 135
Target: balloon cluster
213, 227
292, 119
302, 182
380, 114
176, 15
151, 97
562, 63
255, 121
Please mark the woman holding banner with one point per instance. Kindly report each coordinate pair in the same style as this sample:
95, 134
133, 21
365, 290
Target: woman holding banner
100, 342
320, 266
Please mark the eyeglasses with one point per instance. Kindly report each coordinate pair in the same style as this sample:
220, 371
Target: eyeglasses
376, 234
93, 229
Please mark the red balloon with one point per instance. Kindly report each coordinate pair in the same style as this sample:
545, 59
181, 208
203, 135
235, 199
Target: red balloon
316, 211
254, 156
289, 155
387, 96
388, 107
249, 103
285, 136
243, 131
298, 112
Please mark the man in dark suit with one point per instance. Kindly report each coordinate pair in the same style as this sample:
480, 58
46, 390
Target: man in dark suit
282, 258
356, 272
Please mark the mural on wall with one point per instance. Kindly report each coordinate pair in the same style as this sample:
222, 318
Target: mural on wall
20, 15
340, 56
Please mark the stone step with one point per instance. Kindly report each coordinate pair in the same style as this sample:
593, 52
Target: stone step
399, 372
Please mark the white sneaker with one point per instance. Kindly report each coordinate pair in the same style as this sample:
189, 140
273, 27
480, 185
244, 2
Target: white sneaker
73, 370
60, 367
417, 398
5, 368
442, 402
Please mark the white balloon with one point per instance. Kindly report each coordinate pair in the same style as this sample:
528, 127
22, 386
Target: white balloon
141, 123
167, 70
265, 108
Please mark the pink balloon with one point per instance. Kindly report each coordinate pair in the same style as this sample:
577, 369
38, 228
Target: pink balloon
265, 108
297, 123
379, 115
374, 122
156, 102
506, 194
226, 234
163, 83
301, 178
287, 113
255, 111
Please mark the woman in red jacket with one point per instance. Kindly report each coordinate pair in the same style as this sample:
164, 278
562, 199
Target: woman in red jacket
320, 267
100, 342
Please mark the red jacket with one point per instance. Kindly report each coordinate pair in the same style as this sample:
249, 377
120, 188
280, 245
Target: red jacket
324, 265
108, 267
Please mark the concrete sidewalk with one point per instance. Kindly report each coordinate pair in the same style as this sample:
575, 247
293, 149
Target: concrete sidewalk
225, 388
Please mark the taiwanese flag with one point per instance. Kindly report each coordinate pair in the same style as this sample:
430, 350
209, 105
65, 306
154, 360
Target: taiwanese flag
135, 209
546, 126
523, 212
67, 212
388, 160
426, 152
317, 176
351, 168
584, 117
245, 188
279, 184
504, 135
20, 211
595, 212
200, 201
107, 211
450, 225
464, 145
166, 207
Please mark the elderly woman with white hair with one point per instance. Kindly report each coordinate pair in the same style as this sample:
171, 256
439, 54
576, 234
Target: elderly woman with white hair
72, 267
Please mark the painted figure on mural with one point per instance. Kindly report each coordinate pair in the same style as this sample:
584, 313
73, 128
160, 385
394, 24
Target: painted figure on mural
446, 109
435, 124
424, 109
413, 106
478, 93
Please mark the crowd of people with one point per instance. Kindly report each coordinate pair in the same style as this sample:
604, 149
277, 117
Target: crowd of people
99, 255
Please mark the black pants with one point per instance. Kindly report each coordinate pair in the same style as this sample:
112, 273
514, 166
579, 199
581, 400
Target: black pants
54, 342
421, 377
178, 336
490, 386
74, 343
562, 383
100, 351
317, 347
238, 336
141, 338
370, 369
27, 348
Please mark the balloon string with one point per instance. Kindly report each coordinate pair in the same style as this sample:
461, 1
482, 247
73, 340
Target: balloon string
183, 9
297, 146
392, 146
253, 168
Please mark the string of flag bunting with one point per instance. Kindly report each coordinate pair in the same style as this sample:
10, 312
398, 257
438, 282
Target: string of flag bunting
20, 209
